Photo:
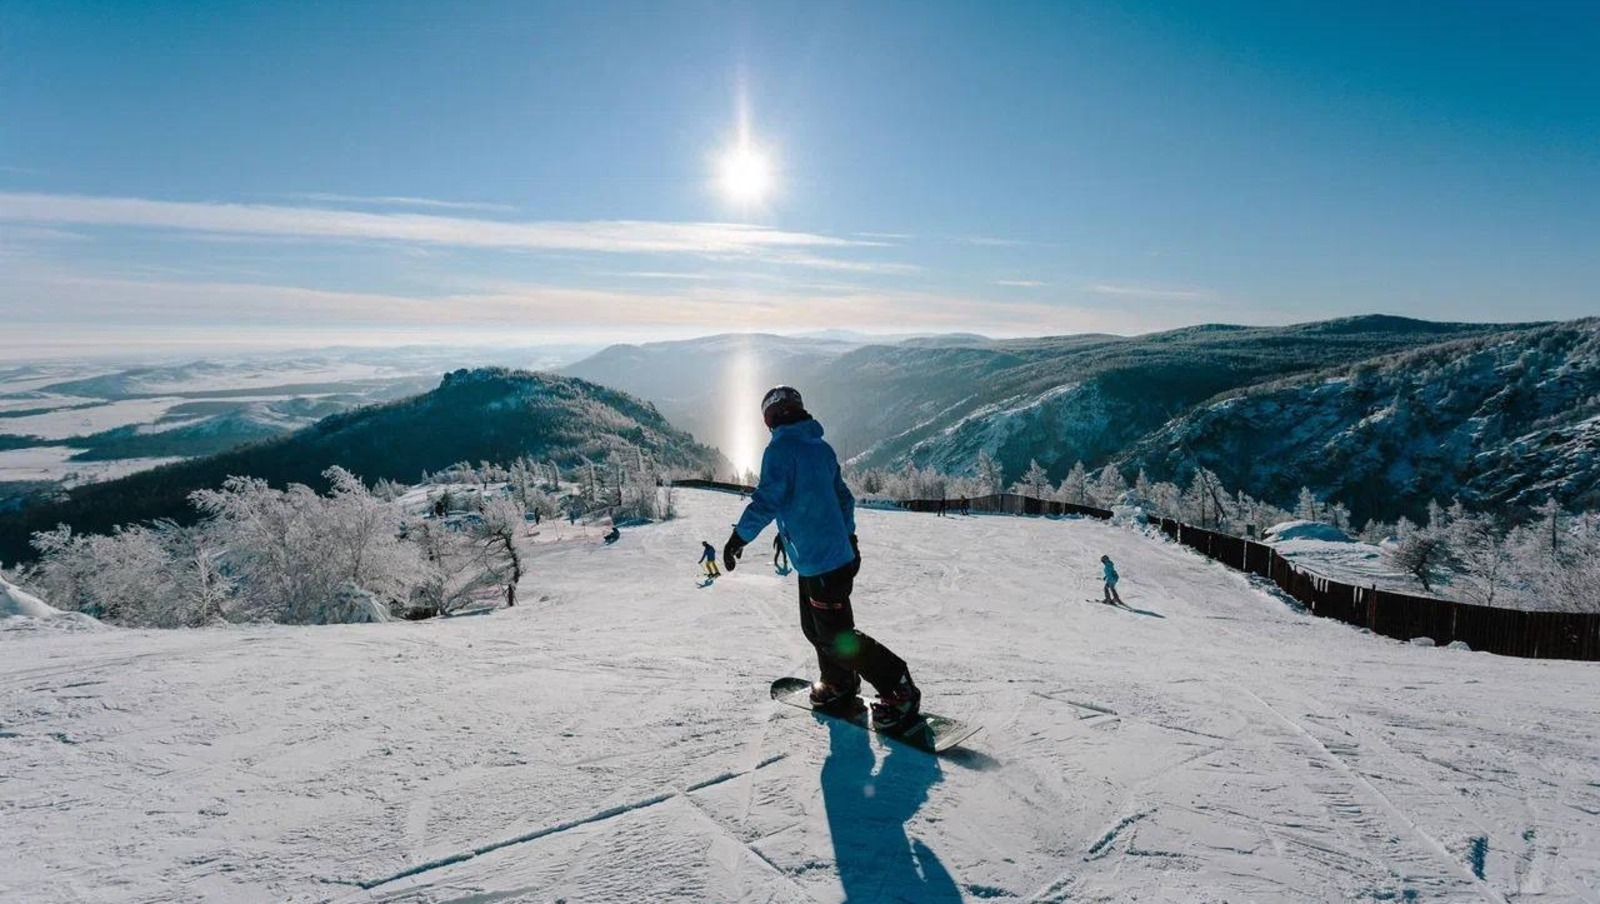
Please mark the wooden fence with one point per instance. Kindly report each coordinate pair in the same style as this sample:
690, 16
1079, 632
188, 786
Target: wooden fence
1508, 632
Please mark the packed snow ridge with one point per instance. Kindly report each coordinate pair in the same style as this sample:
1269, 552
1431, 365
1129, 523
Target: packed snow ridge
611, 739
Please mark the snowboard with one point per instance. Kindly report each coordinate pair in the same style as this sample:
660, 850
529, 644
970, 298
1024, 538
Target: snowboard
928, 732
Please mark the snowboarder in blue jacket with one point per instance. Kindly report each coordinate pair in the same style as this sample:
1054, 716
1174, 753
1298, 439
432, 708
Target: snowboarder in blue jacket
1112, 596
708, 558
801, 488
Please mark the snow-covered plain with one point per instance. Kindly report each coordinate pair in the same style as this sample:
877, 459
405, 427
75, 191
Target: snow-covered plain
73, 416
55, 463
611, 739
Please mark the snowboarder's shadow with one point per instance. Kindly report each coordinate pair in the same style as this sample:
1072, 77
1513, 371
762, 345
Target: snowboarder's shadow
706, 581
867, 814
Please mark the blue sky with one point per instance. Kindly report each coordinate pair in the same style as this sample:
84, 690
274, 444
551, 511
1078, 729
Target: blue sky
534, 172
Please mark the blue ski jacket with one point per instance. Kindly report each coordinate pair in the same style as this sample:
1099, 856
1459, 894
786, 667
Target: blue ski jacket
1111, 572
801, 488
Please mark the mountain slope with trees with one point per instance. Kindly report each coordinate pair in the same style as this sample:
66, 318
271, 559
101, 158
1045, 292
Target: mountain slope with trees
480, 415
1057, 400
1511, 419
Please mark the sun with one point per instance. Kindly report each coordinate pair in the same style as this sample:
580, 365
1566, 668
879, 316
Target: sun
745, 174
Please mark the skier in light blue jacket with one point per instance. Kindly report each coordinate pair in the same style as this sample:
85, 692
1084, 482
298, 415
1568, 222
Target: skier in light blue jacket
1112, 596
801, 488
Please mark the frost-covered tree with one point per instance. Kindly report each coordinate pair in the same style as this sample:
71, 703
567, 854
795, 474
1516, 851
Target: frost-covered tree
1481, 557
1375, 531
294, 551
1570, 580
1308, 508
1421, 551
1109, 486
152, 576
1035, 481
1142, 487
124, 578
868, 482
1074, 487
991, 477
1204, 500
498, 532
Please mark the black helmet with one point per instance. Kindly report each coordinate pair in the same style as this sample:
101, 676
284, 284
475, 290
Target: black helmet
780, 405
780, 394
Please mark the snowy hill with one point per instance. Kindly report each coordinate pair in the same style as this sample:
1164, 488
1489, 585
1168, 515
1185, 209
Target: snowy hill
611, 740
1501, 420
481, 415
74, 423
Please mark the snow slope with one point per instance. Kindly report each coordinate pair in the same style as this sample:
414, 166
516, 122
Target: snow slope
611, 740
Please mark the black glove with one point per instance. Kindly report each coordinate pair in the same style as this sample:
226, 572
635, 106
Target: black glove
732, 550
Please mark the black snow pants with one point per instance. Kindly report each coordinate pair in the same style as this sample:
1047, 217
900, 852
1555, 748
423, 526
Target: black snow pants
842, 651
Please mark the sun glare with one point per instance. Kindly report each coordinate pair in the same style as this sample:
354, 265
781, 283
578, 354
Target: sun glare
746, 175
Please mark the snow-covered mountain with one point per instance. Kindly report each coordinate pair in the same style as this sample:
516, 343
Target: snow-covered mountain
611, 739
1055, 399
1508, 419
489, 414
693, 381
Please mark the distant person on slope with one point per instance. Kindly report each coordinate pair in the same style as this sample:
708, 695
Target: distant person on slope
779, 554
801, 488
708, 558
1112, 596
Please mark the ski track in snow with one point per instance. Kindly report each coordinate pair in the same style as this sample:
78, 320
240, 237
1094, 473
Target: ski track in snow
611, 739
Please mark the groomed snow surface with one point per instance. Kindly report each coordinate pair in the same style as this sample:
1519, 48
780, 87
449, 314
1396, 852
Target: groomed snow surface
611, 739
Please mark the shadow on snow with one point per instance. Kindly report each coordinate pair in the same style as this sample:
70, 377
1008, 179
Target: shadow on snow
867, 814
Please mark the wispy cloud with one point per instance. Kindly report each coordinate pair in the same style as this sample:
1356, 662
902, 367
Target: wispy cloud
606, 236
1148, 292
83, 302
891, 236
815, 261
660, 274
1021, 283
40, 234
991, 242
398, 201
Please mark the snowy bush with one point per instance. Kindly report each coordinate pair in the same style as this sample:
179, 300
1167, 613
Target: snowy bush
138, 576
351, 555
295, 552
